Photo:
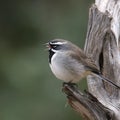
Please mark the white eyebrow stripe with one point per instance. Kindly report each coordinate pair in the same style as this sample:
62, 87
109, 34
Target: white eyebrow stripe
58, 43
54, 50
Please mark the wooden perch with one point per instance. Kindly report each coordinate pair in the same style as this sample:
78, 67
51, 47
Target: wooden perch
86, 104
102, 102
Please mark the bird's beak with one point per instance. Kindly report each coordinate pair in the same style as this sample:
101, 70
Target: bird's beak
48, 46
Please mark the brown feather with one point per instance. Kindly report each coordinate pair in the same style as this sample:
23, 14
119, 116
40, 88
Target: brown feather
78, 54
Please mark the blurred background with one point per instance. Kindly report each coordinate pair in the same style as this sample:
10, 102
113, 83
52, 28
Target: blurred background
28, 89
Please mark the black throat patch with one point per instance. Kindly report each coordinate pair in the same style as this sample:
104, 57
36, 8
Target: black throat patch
51, 53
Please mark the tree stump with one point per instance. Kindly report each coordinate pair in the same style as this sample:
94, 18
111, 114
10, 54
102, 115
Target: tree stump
102, 101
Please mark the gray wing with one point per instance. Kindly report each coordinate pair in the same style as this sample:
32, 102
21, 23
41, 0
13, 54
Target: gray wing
83, 59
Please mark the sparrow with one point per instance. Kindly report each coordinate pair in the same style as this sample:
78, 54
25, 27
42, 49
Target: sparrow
69, 63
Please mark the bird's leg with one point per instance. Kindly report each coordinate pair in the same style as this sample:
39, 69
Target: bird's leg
70, 84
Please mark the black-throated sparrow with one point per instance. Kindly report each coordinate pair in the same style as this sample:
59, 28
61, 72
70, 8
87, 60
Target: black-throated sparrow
69, 63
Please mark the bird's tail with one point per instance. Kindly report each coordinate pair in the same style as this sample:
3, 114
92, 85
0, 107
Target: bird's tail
107, 80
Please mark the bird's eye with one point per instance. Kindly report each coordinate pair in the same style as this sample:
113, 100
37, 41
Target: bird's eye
54, 46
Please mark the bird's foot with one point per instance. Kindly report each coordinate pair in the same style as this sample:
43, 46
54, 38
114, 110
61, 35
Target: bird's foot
70, 84
69, 87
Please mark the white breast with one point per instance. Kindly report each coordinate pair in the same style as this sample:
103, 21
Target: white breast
66, 69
